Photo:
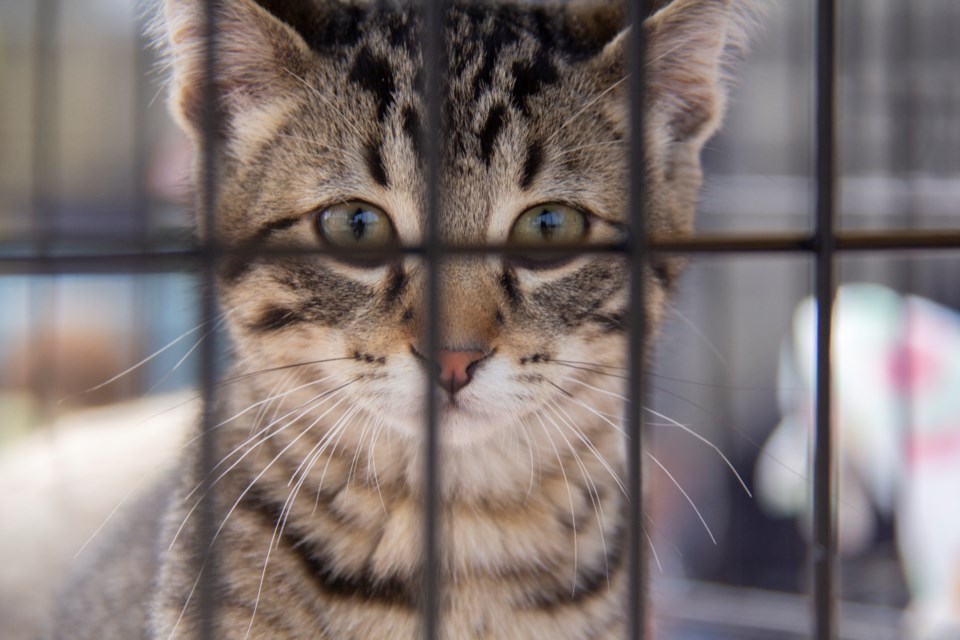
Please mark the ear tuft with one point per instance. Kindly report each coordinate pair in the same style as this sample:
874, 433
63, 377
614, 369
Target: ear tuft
689, 44
258, 58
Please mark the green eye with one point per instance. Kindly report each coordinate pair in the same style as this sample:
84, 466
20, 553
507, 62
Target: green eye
356, 225
545, 225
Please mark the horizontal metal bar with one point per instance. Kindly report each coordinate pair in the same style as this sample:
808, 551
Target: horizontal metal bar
179, 260
870, 240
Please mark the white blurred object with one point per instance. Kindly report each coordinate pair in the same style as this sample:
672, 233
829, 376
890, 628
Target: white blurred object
896, 381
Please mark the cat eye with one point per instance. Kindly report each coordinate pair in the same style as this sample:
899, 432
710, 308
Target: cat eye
356, 225
545, 225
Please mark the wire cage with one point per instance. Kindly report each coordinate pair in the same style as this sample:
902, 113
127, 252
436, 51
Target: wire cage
838, 164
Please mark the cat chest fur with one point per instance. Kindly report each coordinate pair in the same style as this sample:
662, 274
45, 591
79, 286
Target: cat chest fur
543, 555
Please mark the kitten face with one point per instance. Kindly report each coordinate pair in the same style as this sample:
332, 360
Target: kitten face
322, 116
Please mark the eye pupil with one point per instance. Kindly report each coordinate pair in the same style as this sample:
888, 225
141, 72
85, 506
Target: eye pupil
549, 222
358, 223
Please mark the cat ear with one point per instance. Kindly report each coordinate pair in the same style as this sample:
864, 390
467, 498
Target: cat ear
258, 59
687, 44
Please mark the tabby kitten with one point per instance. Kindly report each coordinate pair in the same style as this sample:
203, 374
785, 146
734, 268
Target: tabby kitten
318, 493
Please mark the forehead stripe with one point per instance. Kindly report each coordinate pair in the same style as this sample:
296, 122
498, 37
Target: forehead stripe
411, 127
374, 74
530, 78
491, 129
374, 159
532, 165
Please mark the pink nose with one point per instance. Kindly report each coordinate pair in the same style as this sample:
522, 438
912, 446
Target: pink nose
456, 368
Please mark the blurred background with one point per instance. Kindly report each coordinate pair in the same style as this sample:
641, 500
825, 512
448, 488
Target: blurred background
91, 163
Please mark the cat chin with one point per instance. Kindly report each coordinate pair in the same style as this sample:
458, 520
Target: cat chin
458, 427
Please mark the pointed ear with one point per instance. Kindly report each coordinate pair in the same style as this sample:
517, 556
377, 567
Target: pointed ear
258, 61
687, 45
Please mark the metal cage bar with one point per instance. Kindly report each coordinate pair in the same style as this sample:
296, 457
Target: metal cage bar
823, 554
637, 254
432, 54
881, 241
206, 556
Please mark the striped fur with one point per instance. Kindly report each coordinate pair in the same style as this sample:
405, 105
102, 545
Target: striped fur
319, 491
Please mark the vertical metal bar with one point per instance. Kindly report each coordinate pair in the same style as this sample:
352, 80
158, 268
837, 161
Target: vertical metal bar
432, 52
140, 230
206, 556
637, 256
45, 107
140, 149
823, 553
44, 198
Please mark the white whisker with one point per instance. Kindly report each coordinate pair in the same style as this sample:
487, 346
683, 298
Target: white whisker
323, 400
133, 368
685, 495
573, 515
697, 332
590, 103
591, 447
699, 437
594, 495
310, 405
372, 461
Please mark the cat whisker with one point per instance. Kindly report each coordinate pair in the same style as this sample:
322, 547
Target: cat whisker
606, 392
702, 336
238, 378
310, 405
588, 369
677, 424
307, 464
702, 439
314, 423
592, 366
592, 491
185, 356
284, 367
590, 103
593, 449
524, 429
275, 399
573, 515
559, 388
653, 550
372, 462
324, 99
323, 400
353, 463
287, 508
313, 143
226, 519
186, 604
685, 494
323, 475
269, 399
653, 527
573, 150
597, 365
149, 358
600, 415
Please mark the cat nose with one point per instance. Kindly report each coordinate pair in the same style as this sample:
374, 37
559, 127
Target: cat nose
456, 368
